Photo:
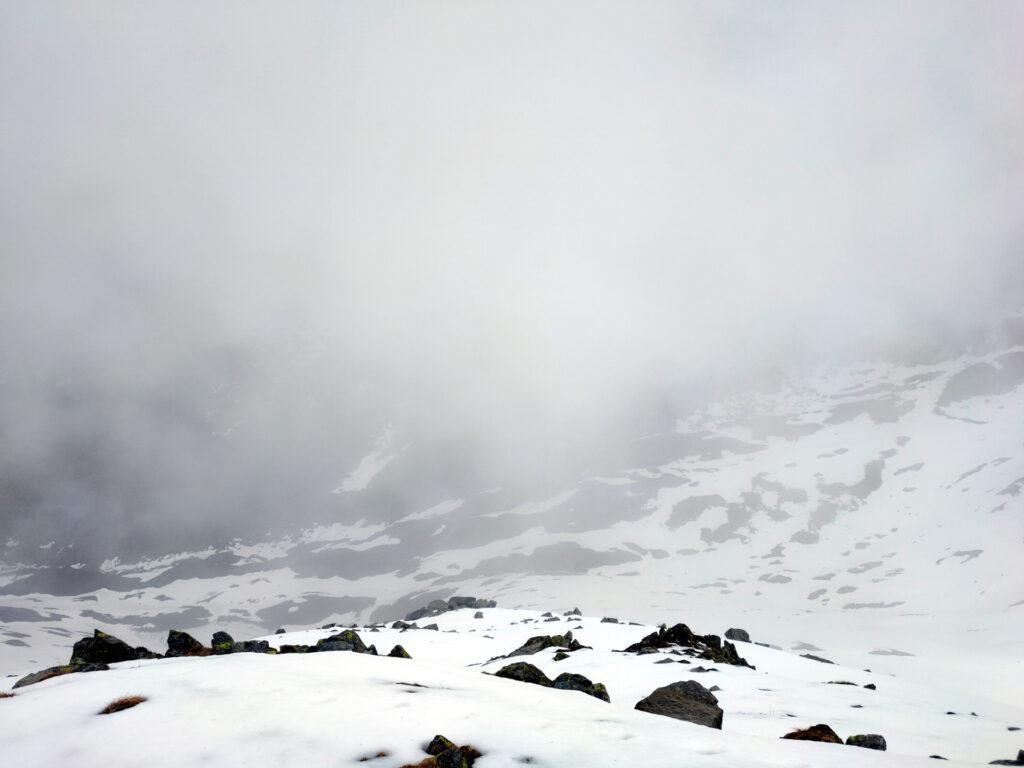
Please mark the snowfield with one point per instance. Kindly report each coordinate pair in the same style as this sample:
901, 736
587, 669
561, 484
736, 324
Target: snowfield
343, 708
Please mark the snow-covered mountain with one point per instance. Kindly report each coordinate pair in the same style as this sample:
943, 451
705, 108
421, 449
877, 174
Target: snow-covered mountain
874, 513
345, 708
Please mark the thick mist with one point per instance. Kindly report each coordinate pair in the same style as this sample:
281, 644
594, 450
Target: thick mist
238, 241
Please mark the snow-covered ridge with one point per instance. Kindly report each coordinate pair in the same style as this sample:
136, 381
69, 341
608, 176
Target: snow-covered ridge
259, 710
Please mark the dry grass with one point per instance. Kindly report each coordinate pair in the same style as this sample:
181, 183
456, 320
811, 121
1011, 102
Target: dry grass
5, 695
125, 702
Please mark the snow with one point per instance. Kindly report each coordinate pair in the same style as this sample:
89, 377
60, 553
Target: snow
336, 708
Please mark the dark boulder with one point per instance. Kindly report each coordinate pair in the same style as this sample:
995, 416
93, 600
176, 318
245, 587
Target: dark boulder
573, 612
812, 657
820, 732
144, 653
434, 627
183, 644
708, 647
478, 615
868, 741
438, 745
101, 648
293, 649
609, 620
221, 642
347, 640
1018, 761
567, 681
524, 673
402, 625
542, 642
280, 632
737, 634
398, 652
685, 700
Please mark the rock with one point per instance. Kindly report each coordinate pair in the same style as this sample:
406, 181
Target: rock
868, 741
398, 652
684, 700
1013, 727
221, 643
1018, 761
65, 669
347, 640
439, 744
567, 681
524, 673
553, 618
101, 648
609, 620
561, 655
573, 612
546, 614
251, 646
402, 625
812, 657
820, 732
183, 644
709, 647
737, 634
542, 642
840, 682
432, 626
142, 652
871, 687
279, 632
293, 649
478, 615
329, 626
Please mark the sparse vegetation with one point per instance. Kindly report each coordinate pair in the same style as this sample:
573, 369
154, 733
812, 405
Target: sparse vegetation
125, 702
6, 695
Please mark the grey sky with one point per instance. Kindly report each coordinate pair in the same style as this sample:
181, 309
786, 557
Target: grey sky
237, 239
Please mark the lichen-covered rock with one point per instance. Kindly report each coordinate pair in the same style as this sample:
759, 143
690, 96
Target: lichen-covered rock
183, 644
684, 700
867, 741
101, 648
524, 673
542, 642
819, 732
221, 642
439, 744
348, 640
737, 634
568, 681
293, 649
398, 652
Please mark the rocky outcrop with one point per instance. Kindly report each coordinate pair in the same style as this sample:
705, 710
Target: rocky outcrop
708, 647
293, 649
867, 741
348, 640
437, 607
101, 648
567, 681
819, 732
183, 644
542, 642
684, 700
1018, 761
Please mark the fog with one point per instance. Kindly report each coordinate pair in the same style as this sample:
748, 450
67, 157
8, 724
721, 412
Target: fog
239, 241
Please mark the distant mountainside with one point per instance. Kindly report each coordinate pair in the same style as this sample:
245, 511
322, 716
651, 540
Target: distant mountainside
887, 497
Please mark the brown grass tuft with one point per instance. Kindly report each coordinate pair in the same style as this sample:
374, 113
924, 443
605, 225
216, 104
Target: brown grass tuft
6, 695
125, 702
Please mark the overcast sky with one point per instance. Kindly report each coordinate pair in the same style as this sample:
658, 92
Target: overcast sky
238, 239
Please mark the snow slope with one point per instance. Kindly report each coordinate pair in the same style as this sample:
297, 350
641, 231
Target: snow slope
338, 708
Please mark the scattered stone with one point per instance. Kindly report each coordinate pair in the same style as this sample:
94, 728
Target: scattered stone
478, 615
553, 618
183, 644
840, 682
398, 652
101, 648
609, 620
65, 669
432, 626
279, 632
437, 607
332, 625
812, 657
868, 741
542, 642
1013, 727
685, 700
568, 681
1018, 761
665, 661
820, 732
703, 669
546, 614
221, 642
561, 655
573, 612
737, 634
871, 687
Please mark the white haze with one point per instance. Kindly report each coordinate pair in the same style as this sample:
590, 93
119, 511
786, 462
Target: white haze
518, 227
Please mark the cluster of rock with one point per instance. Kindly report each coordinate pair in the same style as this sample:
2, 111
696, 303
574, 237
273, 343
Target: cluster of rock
437, 607
824, 733
96, 653
444, 753
525, 672
709, 647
